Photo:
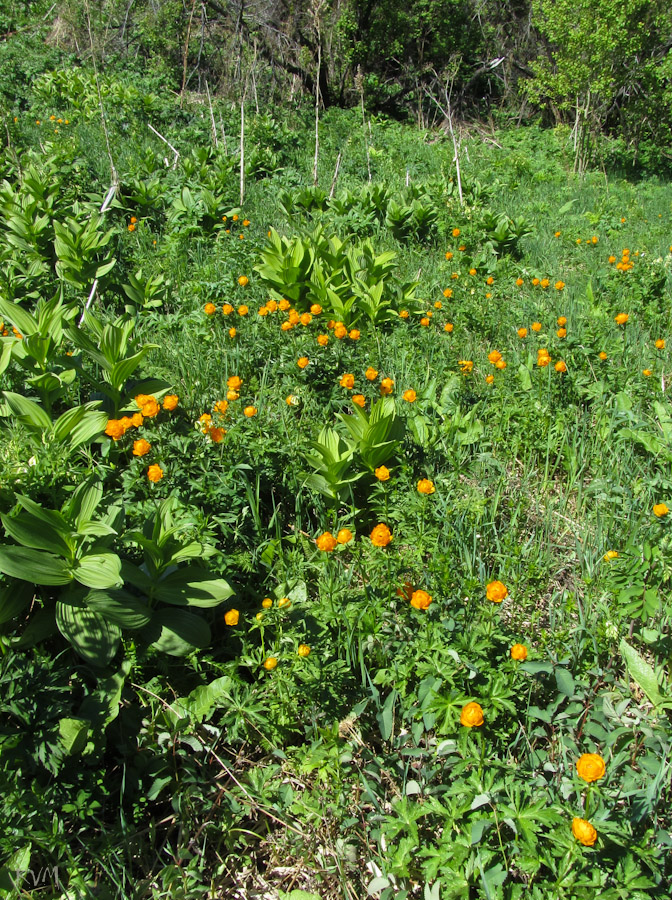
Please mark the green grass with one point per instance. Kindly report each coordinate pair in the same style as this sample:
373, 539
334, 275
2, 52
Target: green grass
350, 764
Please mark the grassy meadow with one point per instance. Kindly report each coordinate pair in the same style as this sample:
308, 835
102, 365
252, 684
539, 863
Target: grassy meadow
336, 552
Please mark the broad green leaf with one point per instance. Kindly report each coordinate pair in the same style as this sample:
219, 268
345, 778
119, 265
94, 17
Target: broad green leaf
202, 700
119, 607
29, 531
99, 570
34, 566
641, 672
41, 625
102, 706
192, 586
93, 637
14, 598
73, 735
177, 631
27, 411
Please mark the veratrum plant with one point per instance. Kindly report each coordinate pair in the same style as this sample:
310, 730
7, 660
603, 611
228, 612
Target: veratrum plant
377, 434
102, 595
81, 251
117, 358
331, 457
504, 234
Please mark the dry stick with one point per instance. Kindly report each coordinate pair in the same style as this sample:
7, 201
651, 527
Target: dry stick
317, 107
242, 150
115, 177
176, 152
106, 202
449, 116
212, 116
335, 178
186, 53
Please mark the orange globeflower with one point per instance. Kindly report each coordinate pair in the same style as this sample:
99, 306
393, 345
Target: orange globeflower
155, 473
227, 309
562, 321
371, 374
496, 591
448, 327
420, 600
302, 362
326, 542
340, 331
114, 429
500, 364
448, 293
466, 365
243, 281
323, 340
306, 319
519, 652
424, 321
520, 282
270, 663
583, 831
545, 283
344, 536
660, 344
449, 255
611, 260
559, 285
603, 355
284, 304
647, 372
234, 382
170, 402
621, 318
141, 447
471, 715
150, 408
561, 366
303, 650
494, 356
232, 332
456, 232
536, 326
354, 334
472, 271
243, 310
403, 314
535, 281
382, 473
267, 603
489, 379
590, 767
561, 332
425, 486
660, 510
137, 419
316, 309
381, 536
359, 399
216, 435
490, 280
250, 411
522, 332
347, 381
610, 554
232, 617
209, 309
386, 386
409, 396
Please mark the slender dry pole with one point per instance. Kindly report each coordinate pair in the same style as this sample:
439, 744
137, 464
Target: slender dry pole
212, 117
317, 109
335, 178
242, 150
